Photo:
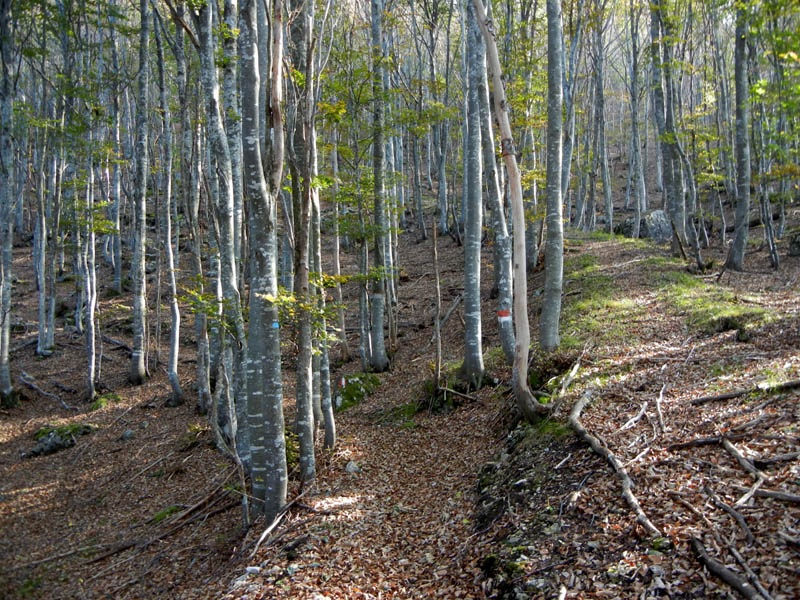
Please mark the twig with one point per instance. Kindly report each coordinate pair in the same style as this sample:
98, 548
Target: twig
744, 499
30, 382
736, 516
447, 315
775, 494
691, 508
452, 391
53, 557
706, 441
117, 343
750, 574
602, 450
724, 573
633, 420
276, 520
740, 458
768, 388
659, 400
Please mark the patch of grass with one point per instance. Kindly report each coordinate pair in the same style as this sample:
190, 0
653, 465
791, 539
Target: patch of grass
602, 236
600, 312
552, 428
292, 448
356, 389
161, 515
29, 587
65, 431
709, 308
102, 401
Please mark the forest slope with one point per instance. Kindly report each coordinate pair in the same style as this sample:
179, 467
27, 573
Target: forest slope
448, 504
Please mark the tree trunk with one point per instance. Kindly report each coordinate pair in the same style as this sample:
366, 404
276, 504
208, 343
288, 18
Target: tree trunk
529, 407
263, 365
735, 260
166, 141
471, 371
138, 370
379, 360
554, 249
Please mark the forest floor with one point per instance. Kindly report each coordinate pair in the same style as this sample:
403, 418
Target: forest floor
463, 503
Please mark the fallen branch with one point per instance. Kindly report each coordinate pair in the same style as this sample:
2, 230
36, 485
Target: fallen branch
53, 557
771, 460
31, 383
792, 541
447, 316
275, 521
707, 441
633, 420
732, 512
750, 574
659, 400
724, 573
769, 388
774, 494
454, 392
117, 343
742, 460
602, 450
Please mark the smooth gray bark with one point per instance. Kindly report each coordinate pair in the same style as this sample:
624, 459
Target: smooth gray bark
471, 371
554, 248
263, 365
166, 144
502, 241
379, 359
735, 259
138, 371
528, 406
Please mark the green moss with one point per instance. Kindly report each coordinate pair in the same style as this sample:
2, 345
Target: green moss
357, 388
553, 428
597, 309
161, 515
65, 431
102, 401
707, 307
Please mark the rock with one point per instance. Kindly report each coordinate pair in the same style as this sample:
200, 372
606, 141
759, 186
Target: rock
128, 435
51, 443
654, 225
253, 570
794, 244
352, 467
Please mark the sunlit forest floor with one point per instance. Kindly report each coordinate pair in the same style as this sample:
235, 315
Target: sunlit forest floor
462, 502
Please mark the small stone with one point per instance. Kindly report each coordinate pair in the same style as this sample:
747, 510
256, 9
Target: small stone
352, 467
253, 570
128, 435
144, 425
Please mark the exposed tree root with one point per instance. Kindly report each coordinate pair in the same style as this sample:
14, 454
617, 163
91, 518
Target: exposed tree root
724, 573
601, 449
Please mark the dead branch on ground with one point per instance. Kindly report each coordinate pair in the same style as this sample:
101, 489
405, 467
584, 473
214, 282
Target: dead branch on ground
600, 448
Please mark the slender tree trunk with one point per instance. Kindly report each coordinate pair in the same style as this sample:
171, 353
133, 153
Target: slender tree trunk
502, 241
528, 406
735, 260
166, 140
380, 361
138, 371
554, 250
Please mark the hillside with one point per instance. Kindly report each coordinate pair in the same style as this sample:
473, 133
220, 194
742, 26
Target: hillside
463, 502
